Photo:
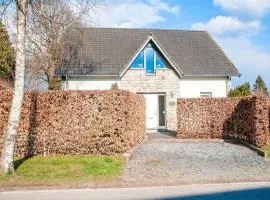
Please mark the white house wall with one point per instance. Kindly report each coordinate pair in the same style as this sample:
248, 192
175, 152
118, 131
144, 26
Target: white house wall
191, 87
165, 81
89, 83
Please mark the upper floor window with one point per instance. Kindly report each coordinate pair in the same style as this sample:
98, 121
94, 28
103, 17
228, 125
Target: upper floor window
138, 62
150, 60
160, 63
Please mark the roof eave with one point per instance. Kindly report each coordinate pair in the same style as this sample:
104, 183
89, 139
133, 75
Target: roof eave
215, 75
89, 75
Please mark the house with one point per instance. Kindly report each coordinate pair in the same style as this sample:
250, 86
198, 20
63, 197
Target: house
163, 65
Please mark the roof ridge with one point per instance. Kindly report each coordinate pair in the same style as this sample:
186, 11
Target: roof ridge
150, 29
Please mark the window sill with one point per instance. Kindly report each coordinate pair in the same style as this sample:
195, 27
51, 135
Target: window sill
161, 68
137, 68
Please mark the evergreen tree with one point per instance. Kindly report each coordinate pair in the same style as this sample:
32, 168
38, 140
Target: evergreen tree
7, 55
260, 86
240, 91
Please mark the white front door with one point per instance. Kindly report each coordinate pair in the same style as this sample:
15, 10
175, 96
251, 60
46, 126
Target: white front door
151, 111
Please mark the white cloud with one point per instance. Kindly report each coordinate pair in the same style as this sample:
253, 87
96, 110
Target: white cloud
235, 39
131, 13
245, 53
222, 25
250, 59
248, 7
160, 5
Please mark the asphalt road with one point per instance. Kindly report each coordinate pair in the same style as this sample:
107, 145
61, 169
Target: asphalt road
239, 191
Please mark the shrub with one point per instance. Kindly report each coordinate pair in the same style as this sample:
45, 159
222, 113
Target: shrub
114, 86
241, 91
260, 86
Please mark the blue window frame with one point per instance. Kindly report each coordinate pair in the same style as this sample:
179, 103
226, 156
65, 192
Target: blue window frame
149, 59
150, 65
160, 64
138, 62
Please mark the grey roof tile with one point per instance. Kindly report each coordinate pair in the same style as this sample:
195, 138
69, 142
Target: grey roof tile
109, 50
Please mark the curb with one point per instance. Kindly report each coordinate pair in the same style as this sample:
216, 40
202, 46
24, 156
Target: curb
248, 145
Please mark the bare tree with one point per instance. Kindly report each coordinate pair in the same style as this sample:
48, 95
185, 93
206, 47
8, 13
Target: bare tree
39, 8
44, 33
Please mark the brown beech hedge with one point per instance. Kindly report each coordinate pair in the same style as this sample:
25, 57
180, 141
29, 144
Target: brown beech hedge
76, 122
238, 118
268, 102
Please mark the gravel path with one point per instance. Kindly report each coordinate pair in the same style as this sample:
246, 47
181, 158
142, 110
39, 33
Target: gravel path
169, 161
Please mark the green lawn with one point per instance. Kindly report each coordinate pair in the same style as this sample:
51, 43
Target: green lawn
267, 151
54, 170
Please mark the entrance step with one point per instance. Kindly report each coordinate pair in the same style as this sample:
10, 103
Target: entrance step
155, 134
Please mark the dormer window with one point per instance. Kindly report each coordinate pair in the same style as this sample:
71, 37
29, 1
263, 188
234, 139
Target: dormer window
150, 60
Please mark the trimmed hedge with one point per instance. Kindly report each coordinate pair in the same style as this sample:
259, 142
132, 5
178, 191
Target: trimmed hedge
240, 118
76, 122
268, 103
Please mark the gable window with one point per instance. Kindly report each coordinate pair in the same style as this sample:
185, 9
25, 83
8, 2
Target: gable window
150, 60
150, 65
160, 64
138, 62
206, 94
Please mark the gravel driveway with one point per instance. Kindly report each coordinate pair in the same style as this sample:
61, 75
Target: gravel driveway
169, 161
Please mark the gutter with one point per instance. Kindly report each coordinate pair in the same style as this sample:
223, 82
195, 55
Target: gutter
215, 75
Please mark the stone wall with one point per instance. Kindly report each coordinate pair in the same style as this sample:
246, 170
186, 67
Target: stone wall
241, 118
73, 122
165, 81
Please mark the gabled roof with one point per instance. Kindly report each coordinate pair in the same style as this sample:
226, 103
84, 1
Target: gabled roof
111, 50
151, 39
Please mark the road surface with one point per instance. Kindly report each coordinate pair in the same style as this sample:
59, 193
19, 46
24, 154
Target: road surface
245, 191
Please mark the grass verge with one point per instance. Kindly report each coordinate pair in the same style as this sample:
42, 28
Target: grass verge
266, 149
57, 170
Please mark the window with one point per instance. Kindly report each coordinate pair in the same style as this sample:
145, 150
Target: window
149, 59
160, 64
138, 62
150, 65
206, 94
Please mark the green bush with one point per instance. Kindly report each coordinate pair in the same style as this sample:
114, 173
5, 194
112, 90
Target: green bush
7, 56
240, 91
114, 86
260, 86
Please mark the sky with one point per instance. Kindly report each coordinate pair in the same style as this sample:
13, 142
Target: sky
240, 27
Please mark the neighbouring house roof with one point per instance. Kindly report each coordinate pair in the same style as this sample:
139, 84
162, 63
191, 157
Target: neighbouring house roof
110, 50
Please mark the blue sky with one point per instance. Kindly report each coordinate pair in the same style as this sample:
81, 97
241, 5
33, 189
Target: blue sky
241, 27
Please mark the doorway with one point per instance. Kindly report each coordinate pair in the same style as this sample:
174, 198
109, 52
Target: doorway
155, 111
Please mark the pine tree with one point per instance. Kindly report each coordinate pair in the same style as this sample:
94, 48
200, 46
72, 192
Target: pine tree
240, 91
260, 86
7, 56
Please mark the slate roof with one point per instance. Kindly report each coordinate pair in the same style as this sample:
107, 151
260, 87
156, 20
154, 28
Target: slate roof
109, 50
